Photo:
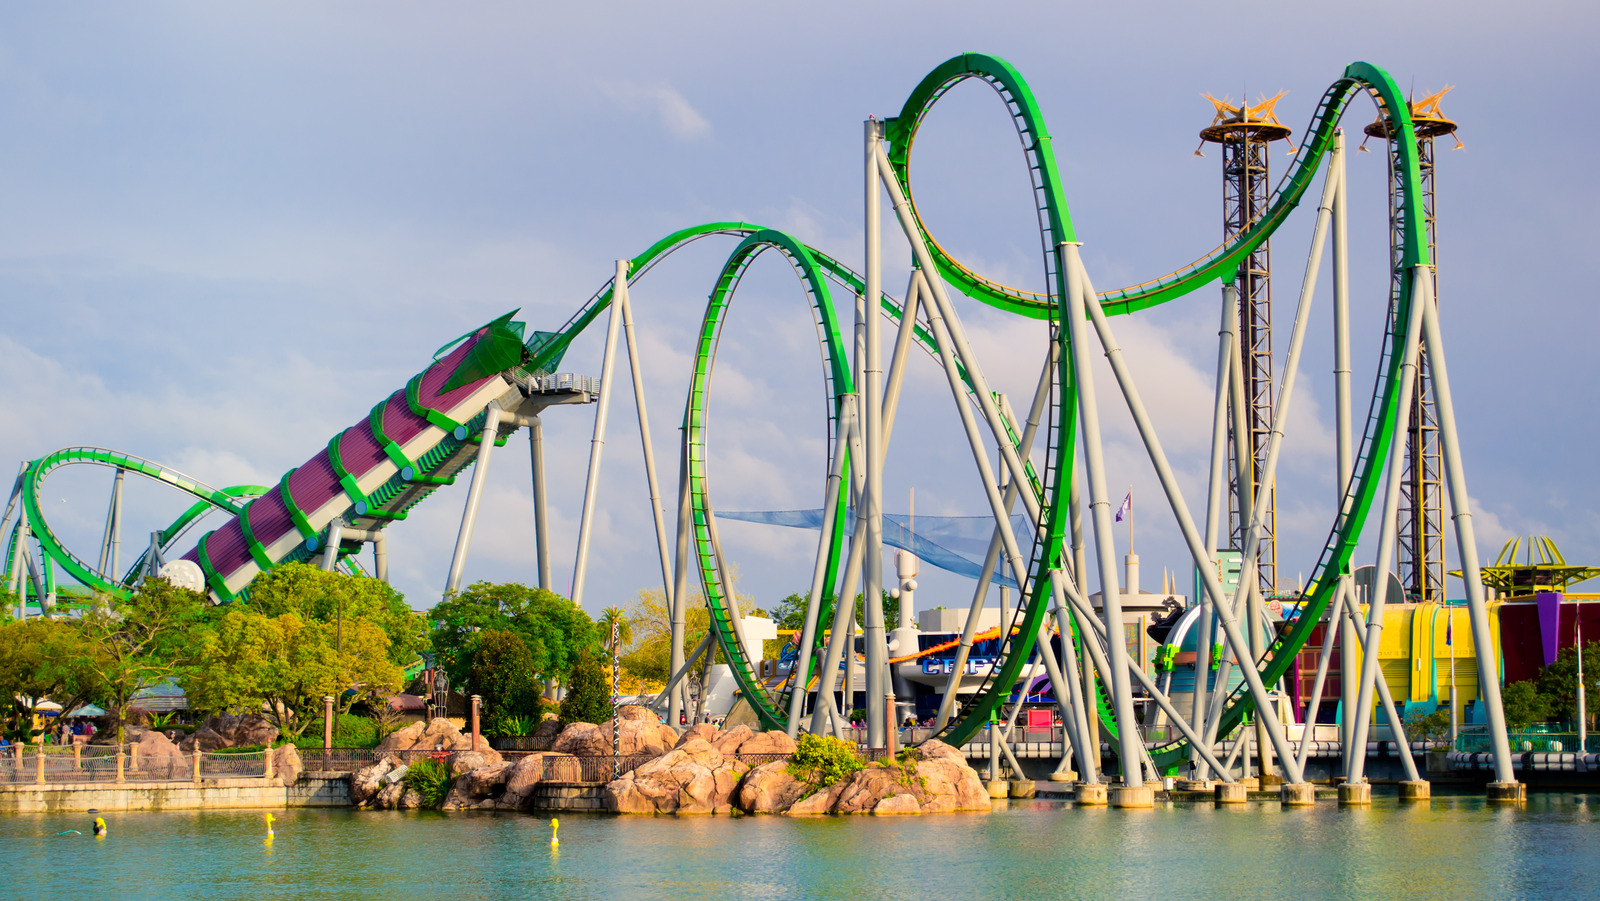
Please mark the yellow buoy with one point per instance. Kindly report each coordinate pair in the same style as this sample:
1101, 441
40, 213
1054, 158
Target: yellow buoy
555, 825
99, 827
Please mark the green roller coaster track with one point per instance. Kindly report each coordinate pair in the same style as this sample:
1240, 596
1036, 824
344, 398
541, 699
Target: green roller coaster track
816, 270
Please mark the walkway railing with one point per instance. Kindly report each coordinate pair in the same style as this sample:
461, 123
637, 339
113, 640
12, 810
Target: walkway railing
1475, 740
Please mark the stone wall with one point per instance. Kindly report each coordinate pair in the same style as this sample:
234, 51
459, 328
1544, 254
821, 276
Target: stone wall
212, 794
569, 797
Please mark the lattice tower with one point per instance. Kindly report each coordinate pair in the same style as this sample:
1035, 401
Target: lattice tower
1245, 133
1420, 548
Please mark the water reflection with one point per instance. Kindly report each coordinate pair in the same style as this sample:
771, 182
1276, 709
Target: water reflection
1451, 846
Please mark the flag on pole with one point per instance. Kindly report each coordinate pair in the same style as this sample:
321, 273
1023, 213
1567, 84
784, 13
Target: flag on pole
1448, 624
1127, 506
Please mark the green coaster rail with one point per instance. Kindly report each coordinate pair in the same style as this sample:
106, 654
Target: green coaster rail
815, 269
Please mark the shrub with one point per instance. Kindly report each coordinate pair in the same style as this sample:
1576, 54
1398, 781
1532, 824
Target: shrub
509, 726
1433, 726
349, 731
823, 760
503, 673
588, 697
1523, 704
431, 779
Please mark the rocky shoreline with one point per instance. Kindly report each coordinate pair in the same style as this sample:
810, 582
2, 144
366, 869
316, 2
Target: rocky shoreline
703, 771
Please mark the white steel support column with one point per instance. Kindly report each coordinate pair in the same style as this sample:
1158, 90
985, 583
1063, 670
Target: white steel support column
871, 513
114, 526
1421, 282
679, 599
814, 596
656, 513
1132, 744
1227, 344
1041, 398
541, 522
1080, 284
469, 515
619, 299
1466, 542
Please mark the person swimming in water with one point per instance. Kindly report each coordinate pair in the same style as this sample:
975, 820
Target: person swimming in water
99, 827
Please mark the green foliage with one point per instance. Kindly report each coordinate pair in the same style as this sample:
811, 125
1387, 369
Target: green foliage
588, 697
163, 721
1558, 684
45, 658
287, 665
316, 595
823, 760
431, 779
790, 612
614, 620
554, 629
349, 731
503, 673
1433, 726
140, 641
509, 726
1523, 704
904, 766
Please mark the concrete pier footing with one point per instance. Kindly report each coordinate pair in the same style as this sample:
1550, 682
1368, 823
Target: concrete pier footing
1023, 788
1421, 790
1232, 793
1132, 796
998, 788
1507, 793
1064, 776
1091, 794
1355, 793
1194, 785
1298, 794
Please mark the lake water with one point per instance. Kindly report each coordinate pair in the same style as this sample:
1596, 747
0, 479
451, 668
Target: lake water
1453, 847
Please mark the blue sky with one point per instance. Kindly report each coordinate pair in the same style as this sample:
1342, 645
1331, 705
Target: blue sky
227, 231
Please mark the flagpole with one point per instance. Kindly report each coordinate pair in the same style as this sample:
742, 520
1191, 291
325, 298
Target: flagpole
1449, 641
1583, 707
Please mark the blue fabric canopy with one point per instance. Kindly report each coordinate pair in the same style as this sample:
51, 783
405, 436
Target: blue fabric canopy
954, 544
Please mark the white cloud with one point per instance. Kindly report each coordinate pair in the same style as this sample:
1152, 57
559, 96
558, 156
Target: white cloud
675, 113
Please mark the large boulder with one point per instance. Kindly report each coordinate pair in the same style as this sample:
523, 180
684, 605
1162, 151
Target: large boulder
866, 787
582, 740
945, 783
368, 782
896, 805
287, 765
160, 758
463, 762
703, 731
544, 736
249, 729
933, 778
435, 735
637, 736
693, 779
770, 789
773, 742
730, 741
819, 802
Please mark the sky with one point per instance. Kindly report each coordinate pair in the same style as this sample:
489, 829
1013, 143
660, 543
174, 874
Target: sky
226, 231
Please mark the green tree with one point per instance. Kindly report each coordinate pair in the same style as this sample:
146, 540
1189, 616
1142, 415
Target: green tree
45, 659
502, 673
1558, 684
554, 629
614, 621
284, 666
588, 697
141, 641
1523, 704
314, 594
